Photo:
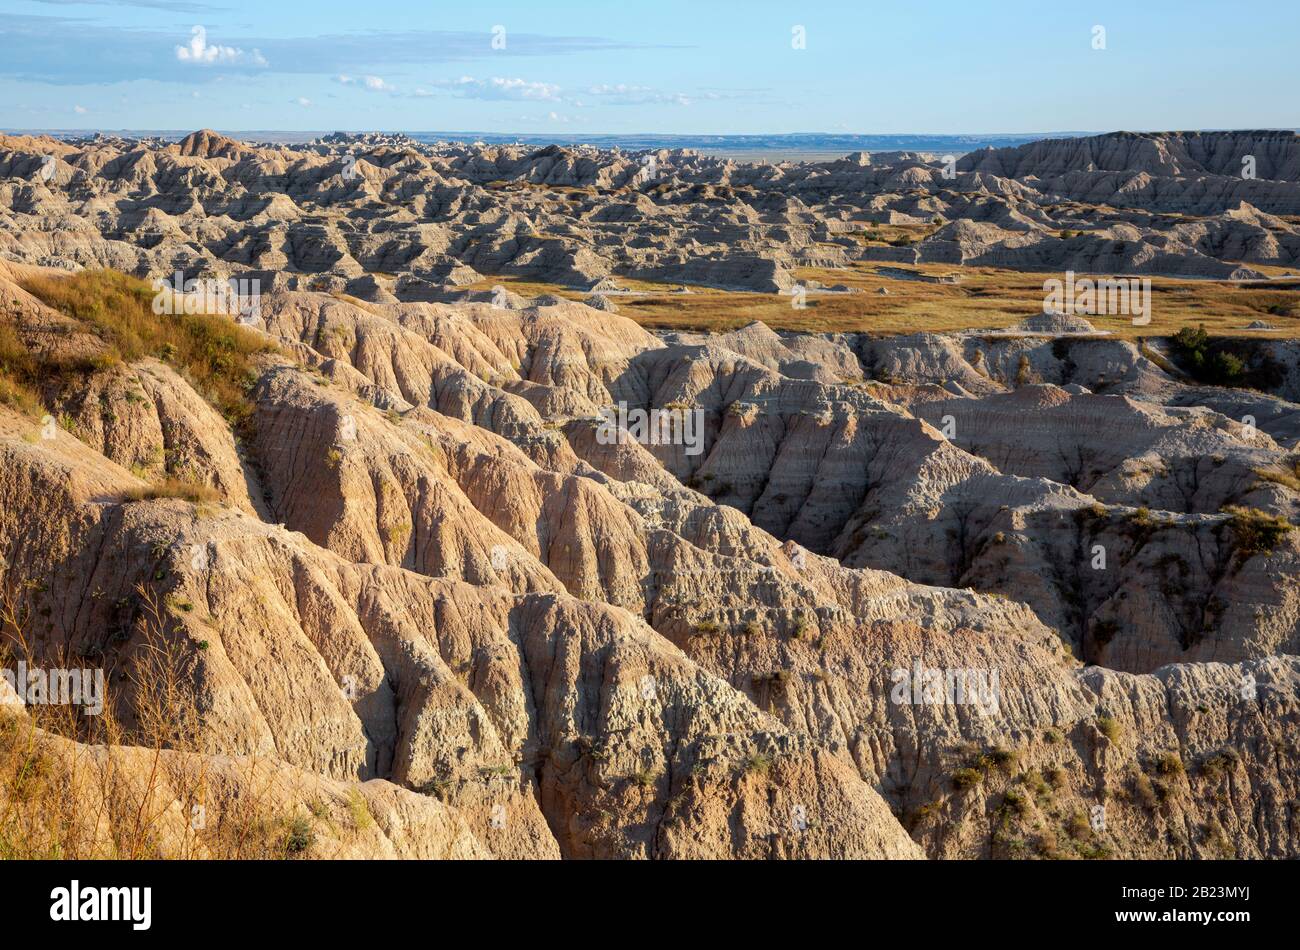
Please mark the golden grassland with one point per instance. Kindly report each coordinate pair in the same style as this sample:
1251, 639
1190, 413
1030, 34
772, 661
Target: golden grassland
211, 351
985, 298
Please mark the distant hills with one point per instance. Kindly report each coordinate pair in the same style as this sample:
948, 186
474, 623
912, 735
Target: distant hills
740, 144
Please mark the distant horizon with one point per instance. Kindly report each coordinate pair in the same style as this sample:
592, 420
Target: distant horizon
331, 130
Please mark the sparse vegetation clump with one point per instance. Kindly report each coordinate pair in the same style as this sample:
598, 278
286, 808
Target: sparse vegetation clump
1003, 758
646, 777
193, 492
211, 351
299, 836
1109, 727
1017, 801
1220, 763
1222, 361
1286, 473
803, 627
1168, 763
19, 375
1256, 532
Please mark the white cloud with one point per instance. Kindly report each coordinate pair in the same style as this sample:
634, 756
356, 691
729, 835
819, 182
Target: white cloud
199, 52
498, 88
80, 110
302, 101
373, 83
469, 87
623, 94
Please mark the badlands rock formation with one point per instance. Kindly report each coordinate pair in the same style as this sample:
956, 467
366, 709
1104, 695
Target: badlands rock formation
379, 216
941, 595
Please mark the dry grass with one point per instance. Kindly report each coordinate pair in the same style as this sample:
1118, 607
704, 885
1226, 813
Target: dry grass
986, 298
97, 787
192, 492
19, 372
211, 351
1285, 473
1256, 532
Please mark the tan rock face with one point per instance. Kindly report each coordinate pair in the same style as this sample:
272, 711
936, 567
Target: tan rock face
854, 624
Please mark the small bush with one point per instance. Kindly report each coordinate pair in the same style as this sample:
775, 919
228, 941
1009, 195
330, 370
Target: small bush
1077, 826
803, 627
1168, 763
1016, 800
359, 810
1145, 792
1221, 763
1004, 759
1286, 474
298, 836
1109, 727
966, 778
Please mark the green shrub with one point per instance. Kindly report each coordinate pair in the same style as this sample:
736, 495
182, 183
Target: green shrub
298, 836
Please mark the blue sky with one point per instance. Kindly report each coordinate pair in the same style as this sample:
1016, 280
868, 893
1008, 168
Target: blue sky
706, 66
